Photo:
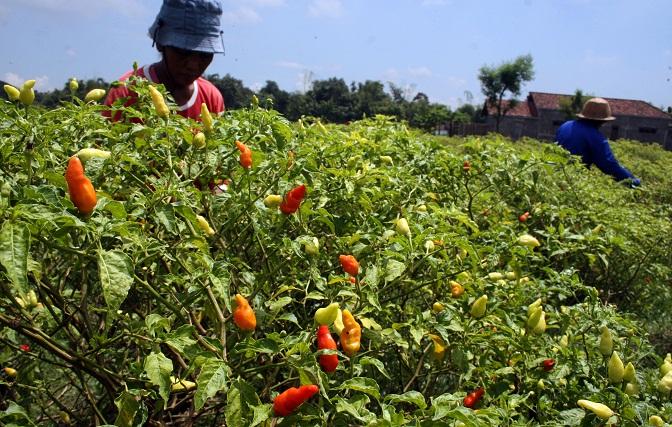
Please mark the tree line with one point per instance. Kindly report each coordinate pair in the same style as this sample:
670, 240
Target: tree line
334, 101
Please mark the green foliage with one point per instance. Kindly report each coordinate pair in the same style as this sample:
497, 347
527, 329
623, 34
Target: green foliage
509, 77
136, 298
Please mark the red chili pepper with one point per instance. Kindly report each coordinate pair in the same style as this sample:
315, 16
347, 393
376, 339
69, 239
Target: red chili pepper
466, 166
472, 398
292, 200
548, 364
349, 264
289, 400
245, 155
24, 347
524, 217
325, 341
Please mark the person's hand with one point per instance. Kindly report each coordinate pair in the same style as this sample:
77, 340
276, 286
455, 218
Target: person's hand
634, 182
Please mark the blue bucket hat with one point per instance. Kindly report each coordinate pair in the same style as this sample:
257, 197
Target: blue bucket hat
190, 25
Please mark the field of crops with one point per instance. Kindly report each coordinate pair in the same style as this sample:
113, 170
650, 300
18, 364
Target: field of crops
492, 282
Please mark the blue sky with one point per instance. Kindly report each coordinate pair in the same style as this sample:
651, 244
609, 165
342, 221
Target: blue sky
610, 48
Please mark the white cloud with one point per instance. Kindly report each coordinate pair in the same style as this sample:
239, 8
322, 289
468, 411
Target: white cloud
71, 52
41, 82
242, 15
289, 64
326, 8
419, 72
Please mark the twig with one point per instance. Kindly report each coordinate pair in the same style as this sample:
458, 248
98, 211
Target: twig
417, 368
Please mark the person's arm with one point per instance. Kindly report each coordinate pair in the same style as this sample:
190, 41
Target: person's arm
604, 159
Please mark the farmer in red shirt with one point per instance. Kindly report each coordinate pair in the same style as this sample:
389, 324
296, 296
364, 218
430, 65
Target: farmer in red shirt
187, 33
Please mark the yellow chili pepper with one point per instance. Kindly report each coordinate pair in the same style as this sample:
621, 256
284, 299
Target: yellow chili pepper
162, 109
351, 335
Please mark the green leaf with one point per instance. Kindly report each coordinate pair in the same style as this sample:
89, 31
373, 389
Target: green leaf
393, 269
15, 411
211, 380
158, 369
165, 215
155, 322
261, 413
414, 397
128, 404
116, 277
14, 249
363, 384
366, 360
115, 208
233, 413
278, 304
181, 338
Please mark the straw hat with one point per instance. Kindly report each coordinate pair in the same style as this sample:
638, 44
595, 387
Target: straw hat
596, 109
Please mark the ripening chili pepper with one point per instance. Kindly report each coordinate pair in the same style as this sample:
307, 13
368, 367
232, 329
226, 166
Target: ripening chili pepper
656, 421
27, 94
289, 400
206, 118
456, 289
439, 347
73, 85
198, 141
245, 155
82, 193
479, 306
272, 200
292, 200
606, 342
349, 264
11, 372
94, 95
466, 166
599, 409
325, 316
204, 225
89, 153
401, 225
548, 364
351, 335
615, 369
243, 315
12, 92
162, 109
325, 341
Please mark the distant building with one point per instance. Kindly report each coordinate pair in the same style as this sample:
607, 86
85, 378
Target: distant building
540, 115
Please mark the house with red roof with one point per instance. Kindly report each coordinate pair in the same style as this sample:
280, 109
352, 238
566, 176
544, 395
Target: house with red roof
540, 115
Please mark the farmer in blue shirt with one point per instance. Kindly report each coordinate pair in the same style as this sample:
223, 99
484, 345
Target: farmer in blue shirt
582, 137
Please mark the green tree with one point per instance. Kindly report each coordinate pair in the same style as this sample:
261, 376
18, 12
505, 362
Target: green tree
331, 100
572, 105
279, 97
236, 95
509, 77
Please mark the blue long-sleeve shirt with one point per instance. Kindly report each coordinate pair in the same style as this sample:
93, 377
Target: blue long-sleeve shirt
583, 139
